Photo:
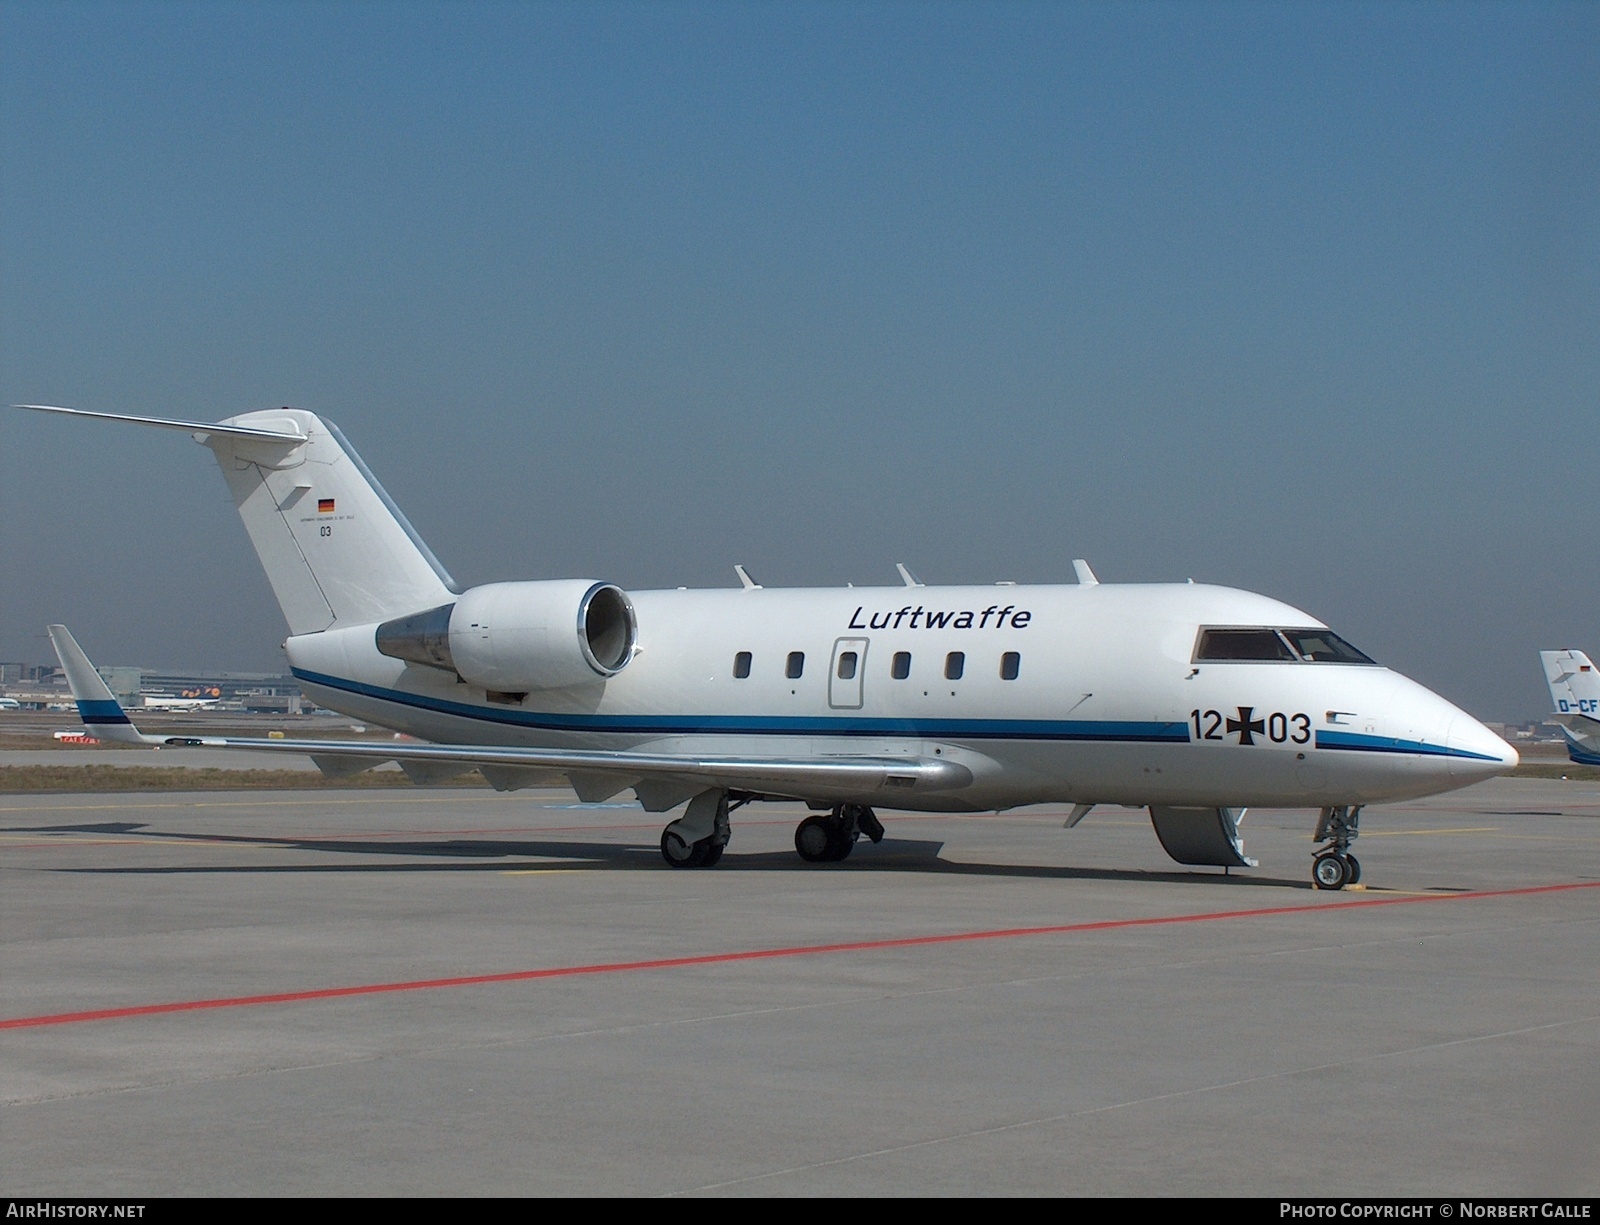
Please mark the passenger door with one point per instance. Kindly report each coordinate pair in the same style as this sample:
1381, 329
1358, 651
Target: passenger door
846, 673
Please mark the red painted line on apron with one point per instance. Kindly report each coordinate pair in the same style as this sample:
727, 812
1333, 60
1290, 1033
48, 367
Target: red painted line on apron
712, 959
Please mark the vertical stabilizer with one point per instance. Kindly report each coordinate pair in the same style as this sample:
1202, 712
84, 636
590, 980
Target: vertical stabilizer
1575, 692
1574, 683
335, 547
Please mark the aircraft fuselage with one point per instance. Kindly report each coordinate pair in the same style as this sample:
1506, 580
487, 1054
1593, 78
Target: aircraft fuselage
1075, 694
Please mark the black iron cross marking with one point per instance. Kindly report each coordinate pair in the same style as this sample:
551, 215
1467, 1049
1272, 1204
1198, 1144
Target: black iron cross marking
1244, 725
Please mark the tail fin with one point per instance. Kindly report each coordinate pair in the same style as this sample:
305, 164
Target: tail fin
335, 547
1575, 691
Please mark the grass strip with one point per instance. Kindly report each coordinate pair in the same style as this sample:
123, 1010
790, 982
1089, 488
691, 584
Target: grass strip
1568, 770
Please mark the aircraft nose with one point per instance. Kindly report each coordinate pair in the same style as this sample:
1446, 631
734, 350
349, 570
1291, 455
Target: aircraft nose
1475, 751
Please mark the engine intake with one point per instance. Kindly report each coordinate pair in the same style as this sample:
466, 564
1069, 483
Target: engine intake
521, 636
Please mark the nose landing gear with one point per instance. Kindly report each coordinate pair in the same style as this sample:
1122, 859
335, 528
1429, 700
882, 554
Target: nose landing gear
1333, 866
830, 838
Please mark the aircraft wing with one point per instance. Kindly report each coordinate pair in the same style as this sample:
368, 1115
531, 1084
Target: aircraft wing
598, 775
661, 780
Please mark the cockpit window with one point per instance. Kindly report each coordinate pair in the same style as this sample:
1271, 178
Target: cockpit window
1262, 645
1242, 644
1325, 647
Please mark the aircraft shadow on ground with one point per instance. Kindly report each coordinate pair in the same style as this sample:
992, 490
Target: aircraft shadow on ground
893, 855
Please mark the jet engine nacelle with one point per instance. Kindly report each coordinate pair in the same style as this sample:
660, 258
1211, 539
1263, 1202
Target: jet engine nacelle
516, 637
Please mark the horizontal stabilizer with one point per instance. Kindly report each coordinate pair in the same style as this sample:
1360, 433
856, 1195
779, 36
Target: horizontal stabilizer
198, 428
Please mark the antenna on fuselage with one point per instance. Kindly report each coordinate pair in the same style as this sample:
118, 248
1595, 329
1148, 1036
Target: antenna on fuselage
906, 577
744, 577
1085, 575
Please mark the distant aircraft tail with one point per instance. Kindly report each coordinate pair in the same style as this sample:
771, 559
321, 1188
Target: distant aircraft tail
1575, 691
335, 547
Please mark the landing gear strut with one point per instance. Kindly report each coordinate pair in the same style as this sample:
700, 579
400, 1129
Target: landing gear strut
698, 838
1333, 866
830, 838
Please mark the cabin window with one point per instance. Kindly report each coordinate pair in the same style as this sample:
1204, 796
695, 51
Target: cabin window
847, 665
741, 665
1325, 647
955, 664
1010, 665
900, 668
796, 665
1242, 645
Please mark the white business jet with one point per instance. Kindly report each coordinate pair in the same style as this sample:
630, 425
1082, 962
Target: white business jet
1575, 690
1193, 701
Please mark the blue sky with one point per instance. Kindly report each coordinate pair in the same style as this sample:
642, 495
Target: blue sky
1298, 298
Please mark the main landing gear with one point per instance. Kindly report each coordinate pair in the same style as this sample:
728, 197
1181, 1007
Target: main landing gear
1334, 866
829, 838
698, 838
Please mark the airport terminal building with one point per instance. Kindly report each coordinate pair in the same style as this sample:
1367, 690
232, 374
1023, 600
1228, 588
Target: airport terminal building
42, 686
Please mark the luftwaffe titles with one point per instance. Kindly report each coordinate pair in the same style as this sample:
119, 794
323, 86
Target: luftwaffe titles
1004, 618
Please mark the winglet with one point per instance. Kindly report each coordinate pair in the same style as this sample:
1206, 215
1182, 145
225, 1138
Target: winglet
97, 706
1085, 575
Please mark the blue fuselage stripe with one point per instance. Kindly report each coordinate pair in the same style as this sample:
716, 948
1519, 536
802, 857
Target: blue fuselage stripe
773, 725
1097, 731
1391, 744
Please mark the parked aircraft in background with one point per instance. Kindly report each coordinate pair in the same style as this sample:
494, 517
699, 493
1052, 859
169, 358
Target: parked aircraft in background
1575, 690
1191, 700
178, 704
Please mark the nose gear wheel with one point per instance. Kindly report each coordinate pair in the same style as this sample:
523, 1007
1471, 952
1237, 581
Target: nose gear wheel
1333, 866
1331, 871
